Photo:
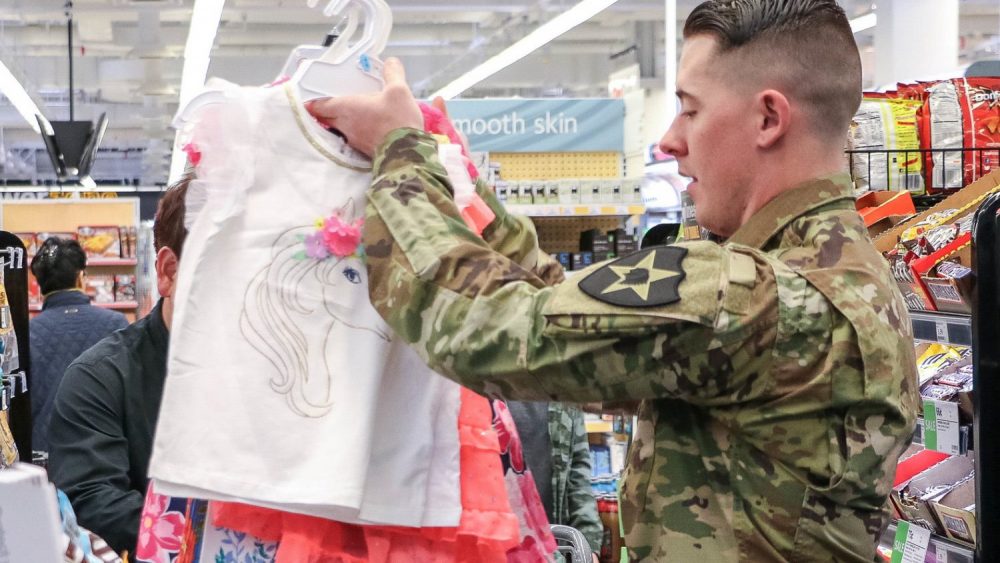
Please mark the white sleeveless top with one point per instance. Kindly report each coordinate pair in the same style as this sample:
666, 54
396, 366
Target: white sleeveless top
285, 389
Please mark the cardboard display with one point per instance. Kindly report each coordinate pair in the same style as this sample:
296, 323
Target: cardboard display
875, 206
914, 499
956, 512
966, 201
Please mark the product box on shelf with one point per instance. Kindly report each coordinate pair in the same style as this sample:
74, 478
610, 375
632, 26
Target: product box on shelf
947, 276
40, 238
565, 259
886, 223
538, 193
632, 190
914, 499
100, 241
582, 259
100, 288
500, 189
552, 191
956, 512
569, 191
623, 242
125, 287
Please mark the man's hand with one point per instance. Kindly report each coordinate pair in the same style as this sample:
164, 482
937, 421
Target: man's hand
367, 120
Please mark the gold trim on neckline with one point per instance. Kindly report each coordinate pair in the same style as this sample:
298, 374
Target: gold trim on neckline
293, 103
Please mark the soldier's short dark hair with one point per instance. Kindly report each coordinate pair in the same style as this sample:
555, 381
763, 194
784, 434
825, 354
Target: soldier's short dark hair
807, 45
168, 225
57, 264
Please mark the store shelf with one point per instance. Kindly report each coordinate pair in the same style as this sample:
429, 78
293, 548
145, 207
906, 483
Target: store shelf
964, 436
117, 305
599, 426
112, 262
942, 549
945, 328
578, 210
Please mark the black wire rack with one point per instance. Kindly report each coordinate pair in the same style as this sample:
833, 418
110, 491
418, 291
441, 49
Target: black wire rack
937, 170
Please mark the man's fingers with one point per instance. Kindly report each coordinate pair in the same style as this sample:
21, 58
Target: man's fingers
393, 72
325, 109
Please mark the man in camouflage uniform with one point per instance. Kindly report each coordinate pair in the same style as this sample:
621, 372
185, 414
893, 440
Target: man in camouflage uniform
573, 502
776, 370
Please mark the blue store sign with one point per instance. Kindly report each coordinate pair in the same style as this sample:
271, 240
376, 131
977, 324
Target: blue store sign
516, 125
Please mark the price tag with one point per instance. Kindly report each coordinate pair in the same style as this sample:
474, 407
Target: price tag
941, 328
910, 543
941, 428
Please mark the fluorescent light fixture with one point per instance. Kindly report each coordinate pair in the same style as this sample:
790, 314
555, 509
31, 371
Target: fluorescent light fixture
23, 103
201, 36
545, 33
865, 22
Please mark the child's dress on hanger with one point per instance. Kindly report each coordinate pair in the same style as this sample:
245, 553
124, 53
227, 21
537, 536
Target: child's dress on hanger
288, 403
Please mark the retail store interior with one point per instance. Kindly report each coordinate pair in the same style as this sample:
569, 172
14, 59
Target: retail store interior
559, 108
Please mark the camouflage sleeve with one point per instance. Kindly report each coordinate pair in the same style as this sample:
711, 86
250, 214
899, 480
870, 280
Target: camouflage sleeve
582, 505
497, 327
515, 237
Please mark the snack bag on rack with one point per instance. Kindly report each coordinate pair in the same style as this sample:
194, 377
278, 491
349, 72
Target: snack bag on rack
980, 102
941, 128
888, 127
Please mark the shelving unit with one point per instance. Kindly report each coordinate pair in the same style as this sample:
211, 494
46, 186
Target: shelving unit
578, 210
942, 549
67, 215
981, 330
117, 306
945, 328
965, 436
105, 262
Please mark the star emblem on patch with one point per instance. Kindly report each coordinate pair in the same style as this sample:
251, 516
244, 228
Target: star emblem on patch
647, 278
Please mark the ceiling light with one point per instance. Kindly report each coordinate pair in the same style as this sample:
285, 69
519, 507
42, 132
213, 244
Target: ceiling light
865, 22
545, 33
201, 36
22, 102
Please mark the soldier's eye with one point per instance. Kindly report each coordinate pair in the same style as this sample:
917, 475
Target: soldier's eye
352, 275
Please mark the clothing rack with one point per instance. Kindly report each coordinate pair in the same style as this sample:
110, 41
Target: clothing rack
14, 386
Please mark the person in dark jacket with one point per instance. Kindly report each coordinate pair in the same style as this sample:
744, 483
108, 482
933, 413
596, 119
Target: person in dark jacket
67, 325
105, 411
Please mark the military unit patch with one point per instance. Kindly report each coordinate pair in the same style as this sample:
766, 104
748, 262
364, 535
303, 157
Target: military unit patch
648, 278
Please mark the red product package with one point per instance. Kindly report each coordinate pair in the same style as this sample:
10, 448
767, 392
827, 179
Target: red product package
979, 99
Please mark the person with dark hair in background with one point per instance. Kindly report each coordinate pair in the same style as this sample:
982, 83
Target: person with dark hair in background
776, 370
67, 325
105, 411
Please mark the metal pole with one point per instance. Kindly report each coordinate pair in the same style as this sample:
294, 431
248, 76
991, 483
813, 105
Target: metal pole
670, 59
69, 42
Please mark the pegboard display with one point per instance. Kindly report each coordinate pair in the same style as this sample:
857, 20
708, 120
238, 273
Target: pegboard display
562, 234
558, 165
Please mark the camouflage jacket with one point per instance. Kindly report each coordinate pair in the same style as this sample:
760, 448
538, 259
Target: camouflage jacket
573, 502
776, 370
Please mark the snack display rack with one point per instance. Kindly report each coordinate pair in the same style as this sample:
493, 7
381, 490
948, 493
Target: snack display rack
981, 331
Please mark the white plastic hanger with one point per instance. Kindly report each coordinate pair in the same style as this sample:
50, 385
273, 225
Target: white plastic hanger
347, 68
302, 53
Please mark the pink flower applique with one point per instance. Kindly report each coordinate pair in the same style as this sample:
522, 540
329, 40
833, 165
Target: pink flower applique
160, 531
316, 246
341, 239
193, 154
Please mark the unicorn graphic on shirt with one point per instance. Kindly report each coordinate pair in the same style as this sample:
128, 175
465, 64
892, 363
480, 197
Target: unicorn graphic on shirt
309, 314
